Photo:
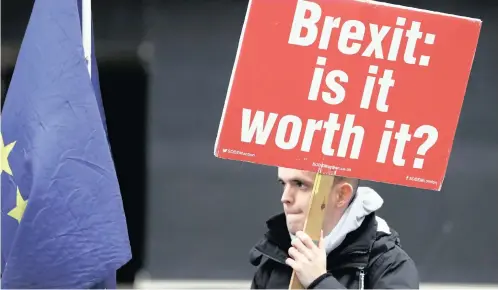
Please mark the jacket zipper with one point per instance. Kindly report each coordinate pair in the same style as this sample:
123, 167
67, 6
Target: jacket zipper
362, 279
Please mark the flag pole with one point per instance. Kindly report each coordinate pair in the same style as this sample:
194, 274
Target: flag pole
86, 24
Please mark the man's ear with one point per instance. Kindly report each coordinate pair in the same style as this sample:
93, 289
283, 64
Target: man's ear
345, 192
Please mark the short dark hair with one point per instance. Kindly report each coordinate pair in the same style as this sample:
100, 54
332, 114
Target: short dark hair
353, 181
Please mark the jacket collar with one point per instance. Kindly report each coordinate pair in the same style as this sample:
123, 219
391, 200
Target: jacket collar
352, 252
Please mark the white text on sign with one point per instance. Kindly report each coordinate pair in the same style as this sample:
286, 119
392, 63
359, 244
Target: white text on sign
352, 35
304, 32
257, 128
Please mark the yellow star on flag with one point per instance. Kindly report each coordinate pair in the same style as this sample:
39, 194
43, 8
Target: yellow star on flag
18, 211
4, 154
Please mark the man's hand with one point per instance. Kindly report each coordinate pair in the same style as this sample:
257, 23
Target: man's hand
308, 260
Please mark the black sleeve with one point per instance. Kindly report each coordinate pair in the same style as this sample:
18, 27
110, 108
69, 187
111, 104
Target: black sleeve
254, 283
326, 281
260, 277
394, 270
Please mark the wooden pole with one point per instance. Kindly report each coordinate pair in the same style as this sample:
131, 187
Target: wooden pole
316, 213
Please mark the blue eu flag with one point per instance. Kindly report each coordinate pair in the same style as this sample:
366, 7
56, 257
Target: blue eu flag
62, 218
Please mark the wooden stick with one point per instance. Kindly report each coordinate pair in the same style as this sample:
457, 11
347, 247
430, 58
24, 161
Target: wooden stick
316, 213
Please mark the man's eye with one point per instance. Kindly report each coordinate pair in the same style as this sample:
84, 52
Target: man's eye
301, 185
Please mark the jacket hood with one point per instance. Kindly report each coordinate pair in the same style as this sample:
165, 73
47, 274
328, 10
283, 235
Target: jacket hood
365, 201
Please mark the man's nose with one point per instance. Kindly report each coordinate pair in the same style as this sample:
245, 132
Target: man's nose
287, 195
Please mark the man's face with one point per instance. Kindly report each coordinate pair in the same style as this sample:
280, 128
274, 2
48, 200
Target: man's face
297, 186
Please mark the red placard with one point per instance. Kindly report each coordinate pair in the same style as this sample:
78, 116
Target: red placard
351, 88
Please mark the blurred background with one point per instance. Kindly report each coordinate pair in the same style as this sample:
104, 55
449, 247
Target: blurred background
164, 70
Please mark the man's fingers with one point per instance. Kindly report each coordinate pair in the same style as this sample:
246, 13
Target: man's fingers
292, 263
307, 241
298, 244
296, 255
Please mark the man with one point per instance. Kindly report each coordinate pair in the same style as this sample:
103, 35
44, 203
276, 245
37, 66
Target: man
357, 250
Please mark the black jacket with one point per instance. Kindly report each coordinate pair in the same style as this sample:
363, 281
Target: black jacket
366, 259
